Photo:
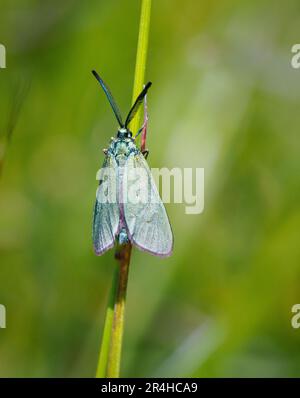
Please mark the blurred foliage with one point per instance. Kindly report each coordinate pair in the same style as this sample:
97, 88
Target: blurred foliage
225, 98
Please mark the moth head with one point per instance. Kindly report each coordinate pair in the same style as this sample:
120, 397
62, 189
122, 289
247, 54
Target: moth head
124, 133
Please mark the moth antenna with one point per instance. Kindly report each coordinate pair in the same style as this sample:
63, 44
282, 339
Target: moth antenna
136, 105
110, 98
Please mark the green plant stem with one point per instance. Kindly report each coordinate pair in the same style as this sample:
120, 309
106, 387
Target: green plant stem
108, 323
141, 59
111, 347
114, 360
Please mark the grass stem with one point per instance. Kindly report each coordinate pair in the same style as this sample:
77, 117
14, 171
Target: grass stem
108, 323
114, 359
141, 59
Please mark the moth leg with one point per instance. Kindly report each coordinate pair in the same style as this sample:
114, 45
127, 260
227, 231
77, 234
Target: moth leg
145, 153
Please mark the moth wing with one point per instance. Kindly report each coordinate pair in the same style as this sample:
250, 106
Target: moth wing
106, 211
145, 216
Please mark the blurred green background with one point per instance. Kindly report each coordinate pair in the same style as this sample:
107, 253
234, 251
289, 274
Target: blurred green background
225, 98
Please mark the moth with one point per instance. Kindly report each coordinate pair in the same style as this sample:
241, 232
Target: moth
128, 207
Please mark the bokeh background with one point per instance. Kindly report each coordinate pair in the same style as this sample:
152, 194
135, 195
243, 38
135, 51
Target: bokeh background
225, 98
